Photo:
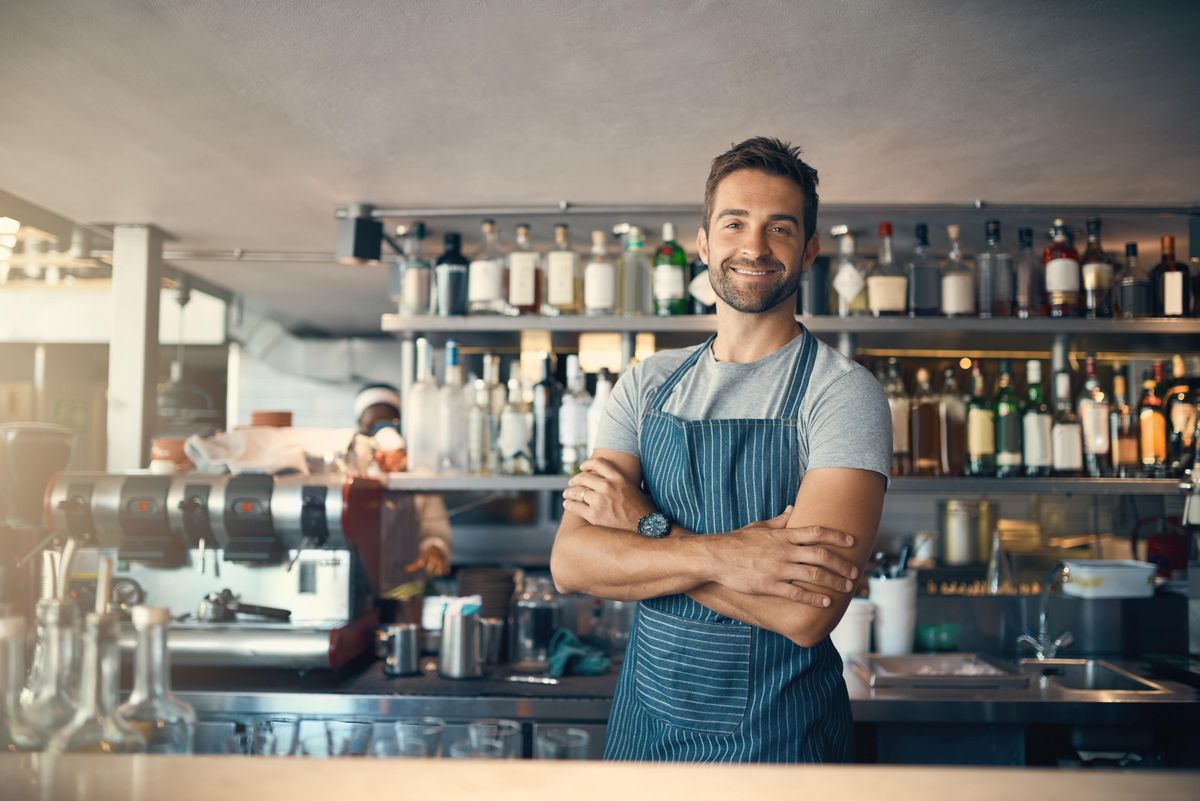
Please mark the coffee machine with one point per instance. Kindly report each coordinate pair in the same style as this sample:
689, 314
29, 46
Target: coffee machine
257, 570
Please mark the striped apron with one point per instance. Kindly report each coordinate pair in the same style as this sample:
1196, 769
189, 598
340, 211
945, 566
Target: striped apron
697, 686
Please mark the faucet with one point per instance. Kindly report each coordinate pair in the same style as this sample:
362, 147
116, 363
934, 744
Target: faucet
1042, 645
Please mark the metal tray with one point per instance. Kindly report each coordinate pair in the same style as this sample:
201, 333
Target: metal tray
960, 671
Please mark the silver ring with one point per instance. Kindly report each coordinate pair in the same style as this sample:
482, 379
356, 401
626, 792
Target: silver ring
583, 496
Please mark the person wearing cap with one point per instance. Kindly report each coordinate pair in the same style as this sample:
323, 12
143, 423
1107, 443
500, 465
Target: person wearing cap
377, 409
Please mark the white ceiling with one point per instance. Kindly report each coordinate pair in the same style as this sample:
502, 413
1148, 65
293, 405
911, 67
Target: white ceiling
234, 124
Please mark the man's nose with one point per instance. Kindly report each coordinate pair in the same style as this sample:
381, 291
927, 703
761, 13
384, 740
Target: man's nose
755, 244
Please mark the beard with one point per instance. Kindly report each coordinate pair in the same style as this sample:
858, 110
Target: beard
758, 297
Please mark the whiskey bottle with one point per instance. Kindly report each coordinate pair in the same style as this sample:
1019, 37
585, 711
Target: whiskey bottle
1036, 424
1008, 425
887, 286
670, 276
1097, 272
525, 279
952, 422
958, 283
1171, 281
981, 429
1030, 289
1123, 430
1180, 401
564, 276
1094, 408
600, 281
544, 442
926, 428
1061, 261
1066, 437
900, 406
1152, 425
924, 278
1135, 296
486, 288
450, 278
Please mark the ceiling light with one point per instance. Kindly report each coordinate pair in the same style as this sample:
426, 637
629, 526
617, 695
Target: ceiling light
359, 237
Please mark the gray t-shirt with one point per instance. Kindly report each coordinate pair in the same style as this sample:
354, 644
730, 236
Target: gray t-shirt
844, 419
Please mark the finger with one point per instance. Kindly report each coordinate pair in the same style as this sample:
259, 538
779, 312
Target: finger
818, 578
779, 521
590, 481
602, 467
821, 557
577, 508
820, 535
413, 566
800, 595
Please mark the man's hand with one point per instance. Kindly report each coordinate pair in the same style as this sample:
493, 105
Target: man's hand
431, 559
602, 496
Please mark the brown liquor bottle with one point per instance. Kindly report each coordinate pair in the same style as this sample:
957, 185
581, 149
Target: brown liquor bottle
952, 423
1180, 406
926, 428
1152, 426
1123, 431
1063, 276
1170, 280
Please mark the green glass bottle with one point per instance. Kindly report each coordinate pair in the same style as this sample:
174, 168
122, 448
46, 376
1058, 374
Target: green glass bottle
1037, 424
1008, 426
670, 276
981, 430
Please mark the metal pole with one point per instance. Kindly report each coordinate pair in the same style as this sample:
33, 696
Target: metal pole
847, 344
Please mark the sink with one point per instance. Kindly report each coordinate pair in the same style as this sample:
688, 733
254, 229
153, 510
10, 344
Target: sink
1089, 676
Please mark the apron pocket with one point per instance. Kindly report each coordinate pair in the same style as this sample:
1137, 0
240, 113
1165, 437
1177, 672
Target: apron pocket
691, 674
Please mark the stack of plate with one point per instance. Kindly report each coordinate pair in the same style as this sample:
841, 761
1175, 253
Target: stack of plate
493, 584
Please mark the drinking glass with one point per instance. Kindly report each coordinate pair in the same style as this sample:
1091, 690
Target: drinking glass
562, 743
276, 735
239, 744
349, 736
482, 748
506, 732
428, 731
393, 747
318, 746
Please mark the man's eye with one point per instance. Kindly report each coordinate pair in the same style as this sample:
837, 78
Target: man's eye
733, 225
782, 230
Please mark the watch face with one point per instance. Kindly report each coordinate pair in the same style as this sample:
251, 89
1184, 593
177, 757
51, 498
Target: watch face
654, 525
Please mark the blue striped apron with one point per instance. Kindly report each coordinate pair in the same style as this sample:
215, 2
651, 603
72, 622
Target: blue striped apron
697, 686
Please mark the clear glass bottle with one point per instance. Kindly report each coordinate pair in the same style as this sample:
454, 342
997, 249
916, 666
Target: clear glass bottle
487, 282
1152, 425
700, 289
887, 285
1063, 277
1093, 409
670, 276
994, 268
412, 290
926, 427
1134, 295
924, 278
167, 724
981, 429
849, 278
49, 700
15, 734
958, 282
901, 409
1097, 272
450, 278
1037, 424
1172, 284
600, 281
452, 414
497, 397
604, 387
516, 459
526, 281
547, 397
420, 418
564, 276
952, 406
1029, 290
481, 450
97, 726
1009, 455
1123, 430
635, 275
1066, 436
573, 418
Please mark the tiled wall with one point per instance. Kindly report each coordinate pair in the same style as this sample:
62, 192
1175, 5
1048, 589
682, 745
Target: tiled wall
256, 385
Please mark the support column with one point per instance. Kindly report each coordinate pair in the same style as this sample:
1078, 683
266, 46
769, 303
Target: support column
133, 350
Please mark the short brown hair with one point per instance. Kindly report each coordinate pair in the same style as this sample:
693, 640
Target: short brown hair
774, 157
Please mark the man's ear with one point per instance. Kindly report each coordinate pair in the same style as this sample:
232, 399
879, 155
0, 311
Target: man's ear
702, 244
812, 249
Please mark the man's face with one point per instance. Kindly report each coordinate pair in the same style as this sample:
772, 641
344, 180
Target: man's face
754, 247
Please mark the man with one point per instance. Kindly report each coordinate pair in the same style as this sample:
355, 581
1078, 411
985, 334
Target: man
377, 408
770, 440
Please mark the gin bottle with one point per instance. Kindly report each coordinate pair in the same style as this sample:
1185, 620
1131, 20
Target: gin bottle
564, 277
887, 285
958, 284
486, 284
924, 278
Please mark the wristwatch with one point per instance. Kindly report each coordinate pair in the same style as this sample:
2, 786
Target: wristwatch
654, 525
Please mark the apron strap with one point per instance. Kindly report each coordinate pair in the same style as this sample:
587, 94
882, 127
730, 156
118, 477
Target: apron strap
664, 391
801, 372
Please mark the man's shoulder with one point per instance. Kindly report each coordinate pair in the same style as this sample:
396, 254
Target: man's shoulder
833, 372
660, 365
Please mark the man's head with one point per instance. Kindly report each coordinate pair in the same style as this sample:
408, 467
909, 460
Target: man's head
760, 219
375, 404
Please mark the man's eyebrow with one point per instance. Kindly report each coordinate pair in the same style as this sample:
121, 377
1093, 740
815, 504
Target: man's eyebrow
773, 218
732, 213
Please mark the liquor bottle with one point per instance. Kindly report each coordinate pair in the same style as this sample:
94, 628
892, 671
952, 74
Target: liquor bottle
421, 417
604, 387
994, 267
1008, 425
1029, 286
981, 429
1152, 425
481, 431
486, 290
547, 397
525, 279
416, 274
849, 282
901, 408
635, 275
15, 734
1063, 279
573, 419
1179, 404
887, 285
97, 726
167, 724
513, 443
1123, 430
600, 281
670, 276
1097, 272
700, 289
1171, 282
564, 276
49, 702
450, 278
953, 425
1093, 408
926, 425
497, 392
1066, 437
452, 414
1036, 424
924, 278
958, 284
1135, 295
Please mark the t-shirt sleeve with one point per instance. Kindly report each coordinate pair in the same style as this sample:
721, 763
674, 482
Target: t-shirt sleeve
850, 425
619, 426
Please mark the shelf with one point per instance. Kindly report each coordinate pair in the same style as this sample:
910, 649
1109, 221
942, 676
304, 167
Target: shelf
900, 486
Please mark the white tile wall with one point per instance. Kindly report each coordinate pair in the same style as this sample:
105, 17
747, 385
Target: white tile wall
256, 385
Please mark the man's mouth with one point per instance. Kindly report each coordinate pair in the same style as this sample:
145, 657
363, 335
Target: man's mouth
748, 271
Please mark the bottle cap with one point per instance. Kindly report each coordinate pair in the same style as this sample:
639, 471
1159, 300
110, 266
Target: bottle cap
1093, 226
489, 226
885, 228
143, 616
953, 231
922, 234
598, 240
452, 240
668, 232
1168, 244
922, 375
1131, 248
451, 353
418, 230
991, 229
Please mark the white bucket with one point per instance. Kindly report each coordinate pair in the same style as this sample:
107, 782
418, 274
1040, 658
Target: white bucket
896, 612
853, 632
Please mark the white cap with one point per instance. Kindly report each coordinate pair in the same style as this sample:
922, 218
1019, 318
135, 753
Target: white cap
143, 616
1033, 371
572, 366
668, 232
372, 395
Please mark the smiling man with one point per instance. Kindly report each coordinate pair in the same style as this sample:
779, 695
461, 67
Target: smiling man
734, 490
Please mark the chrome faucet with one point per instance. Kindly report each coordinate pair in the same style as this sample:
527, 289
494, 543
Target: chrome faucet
1042, 645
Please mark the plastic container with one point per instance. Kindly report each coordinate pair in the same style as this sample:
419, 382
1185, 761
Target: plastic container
895, 602
853, 633
1097, 578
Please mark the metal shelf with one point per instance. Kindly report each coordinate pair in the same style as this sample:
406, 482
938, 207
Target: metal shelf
428, 482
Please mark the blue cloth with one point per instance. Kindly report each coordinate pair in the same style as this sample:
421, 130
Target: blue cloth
569, 655
697, 686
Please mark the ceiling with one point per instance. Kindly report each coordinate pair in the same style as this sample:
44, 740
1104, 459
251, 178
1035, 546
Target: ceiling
244, 125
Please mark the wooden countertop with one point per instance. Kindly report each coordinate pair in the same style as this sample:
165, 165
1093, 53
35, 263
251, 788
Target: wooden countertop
220, 778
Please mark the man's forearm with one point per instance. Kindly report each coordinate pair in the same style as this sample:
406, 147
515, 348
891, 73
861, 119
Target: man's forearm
792, 619
623, 566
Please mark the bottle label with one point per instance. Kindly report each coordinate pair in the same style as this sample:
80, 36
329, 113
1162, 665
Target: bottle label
1173, 294
1062, 275
887, 293
702, 290
514, 433
981, 433
522, 279
900, 413
848, 282
1097, 276
669, 284
1068, 447
1036, 429
1008, 437
561, 266
1183, 423
599, 286
414, 290
1093, 417
958, 293
485, 281
572, 424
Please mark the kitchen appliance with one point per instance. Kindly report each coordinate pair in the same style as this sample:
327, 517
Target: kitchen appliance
258, 571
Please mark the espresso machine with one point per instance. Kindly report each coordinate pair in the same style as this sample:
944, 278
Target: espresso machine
258, 571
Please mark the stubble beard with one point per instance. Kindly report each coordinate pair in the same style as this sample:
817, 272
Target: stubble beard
754, 299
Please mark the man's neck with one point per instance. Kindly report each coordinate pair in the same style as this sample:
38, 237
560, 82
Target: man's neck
745, 337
